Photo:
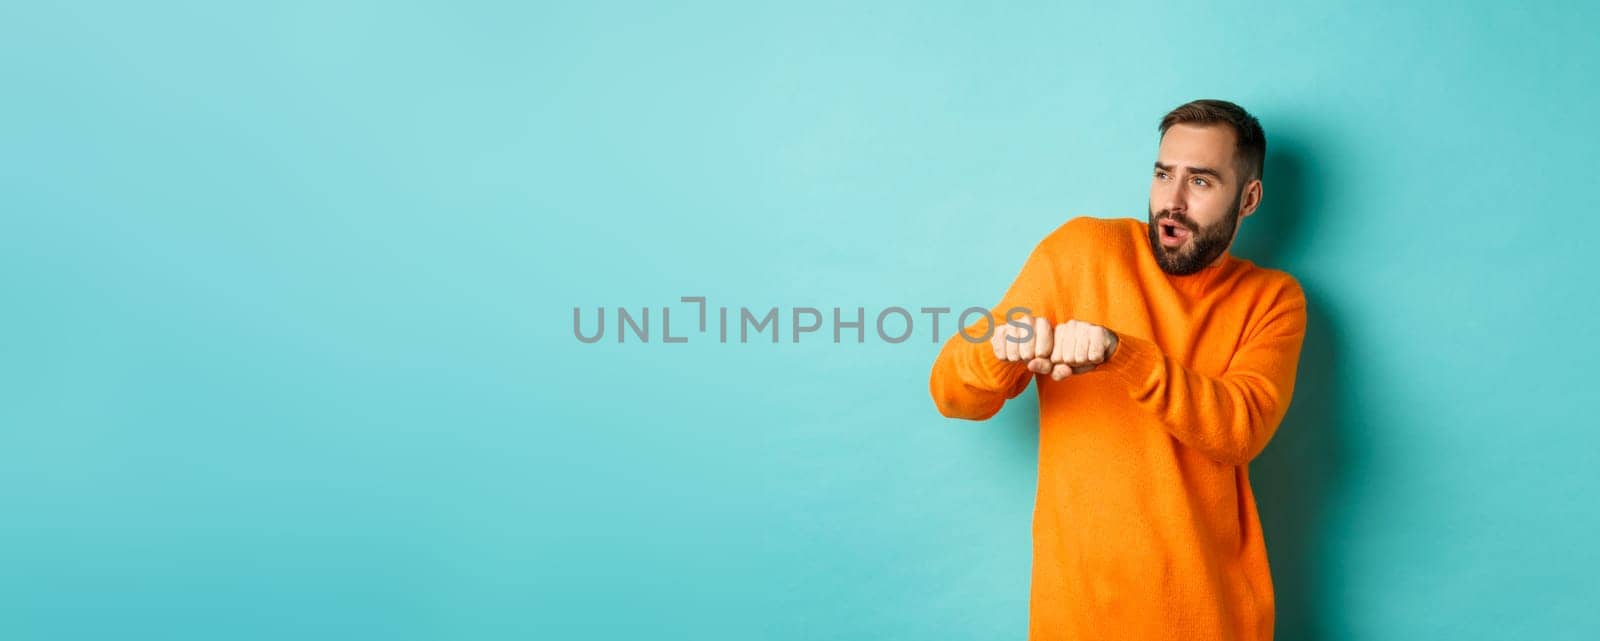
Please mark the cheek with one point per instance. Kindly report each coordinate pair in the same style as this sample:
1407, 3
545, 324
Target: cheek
1160, 195
1210, 209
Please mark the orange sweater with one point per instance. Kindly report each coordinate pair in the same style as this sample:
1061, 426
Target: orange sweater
1144, 524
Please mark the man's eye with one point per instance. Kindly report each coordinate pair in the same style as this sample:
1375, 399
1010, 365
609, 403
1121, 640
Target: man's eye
1161, 175
1201, 182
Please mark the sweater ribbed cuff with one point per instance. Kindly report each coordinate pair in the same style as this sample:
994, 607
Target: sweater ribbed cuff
1135, 360
984, 371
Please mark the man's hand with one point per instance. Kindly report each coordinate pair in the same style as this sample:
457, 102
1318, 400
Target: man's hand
1073, 347
1025, 339
1079, 348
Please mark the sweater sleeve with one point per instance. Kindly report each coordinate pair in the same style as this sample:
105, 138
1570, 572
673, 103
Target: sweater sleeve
1229, 418
967, 381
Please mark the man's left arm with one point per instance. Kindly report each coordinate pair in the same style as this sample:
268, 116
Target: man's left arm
1229, 418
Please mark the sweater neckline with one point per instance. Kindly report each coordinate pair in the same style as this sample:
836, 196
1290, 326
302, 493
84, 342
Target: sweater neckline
1203, 280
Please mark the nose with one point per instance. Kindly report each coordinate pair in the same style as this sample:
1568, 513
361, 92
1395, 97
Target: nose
1175, 199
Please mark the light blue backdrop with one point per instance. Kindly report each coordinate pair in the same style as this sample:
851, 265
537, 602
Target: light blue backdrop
288, 292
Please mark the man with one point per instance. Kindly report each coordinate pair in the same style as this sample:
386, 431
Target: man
1164, 366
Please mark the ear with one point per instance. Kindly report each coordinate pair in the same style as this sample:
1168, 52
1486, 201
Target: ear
1251, 199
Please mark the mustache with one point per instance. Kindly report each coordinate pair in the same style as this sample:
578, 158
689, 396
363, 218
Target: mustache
1180, 219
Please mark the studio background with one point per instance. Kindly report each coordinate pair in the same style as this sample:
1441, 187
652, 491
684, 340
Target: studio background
288, 293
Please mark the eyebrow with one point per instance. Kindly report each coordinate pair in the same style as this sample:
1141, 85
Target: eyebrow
1194, 170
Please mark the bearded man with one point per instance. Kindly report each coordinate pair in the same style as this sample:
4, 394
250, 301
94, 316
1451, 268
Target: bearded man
1164, 366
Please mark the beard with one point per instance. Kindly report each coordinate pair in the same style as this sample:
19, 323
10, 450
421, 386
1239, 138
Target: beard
1205, 243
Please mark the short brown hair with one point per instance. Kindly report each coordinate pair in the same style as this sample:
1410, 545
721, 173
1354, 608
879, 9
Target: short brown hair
1250, 148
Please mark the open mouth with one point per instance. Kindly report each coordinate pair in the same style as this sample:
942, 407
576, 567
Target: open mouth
1172, 233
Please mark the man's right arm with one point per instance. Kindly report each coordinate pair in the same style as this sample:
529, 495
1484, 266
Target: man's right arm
969, 380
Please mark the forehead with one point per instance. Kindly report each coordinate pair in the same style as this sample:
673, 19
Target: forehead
1198, 146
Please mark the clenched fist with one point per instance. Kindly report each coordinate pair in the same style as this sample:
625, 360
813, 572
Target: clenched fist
1073, 347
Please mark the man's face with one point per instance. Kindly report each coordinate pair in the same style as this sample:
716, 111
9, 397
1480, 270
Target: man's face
1198, 191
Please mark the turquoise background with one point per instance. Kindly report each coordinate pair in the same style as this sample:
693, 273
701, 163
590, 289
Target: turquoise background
288, 290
